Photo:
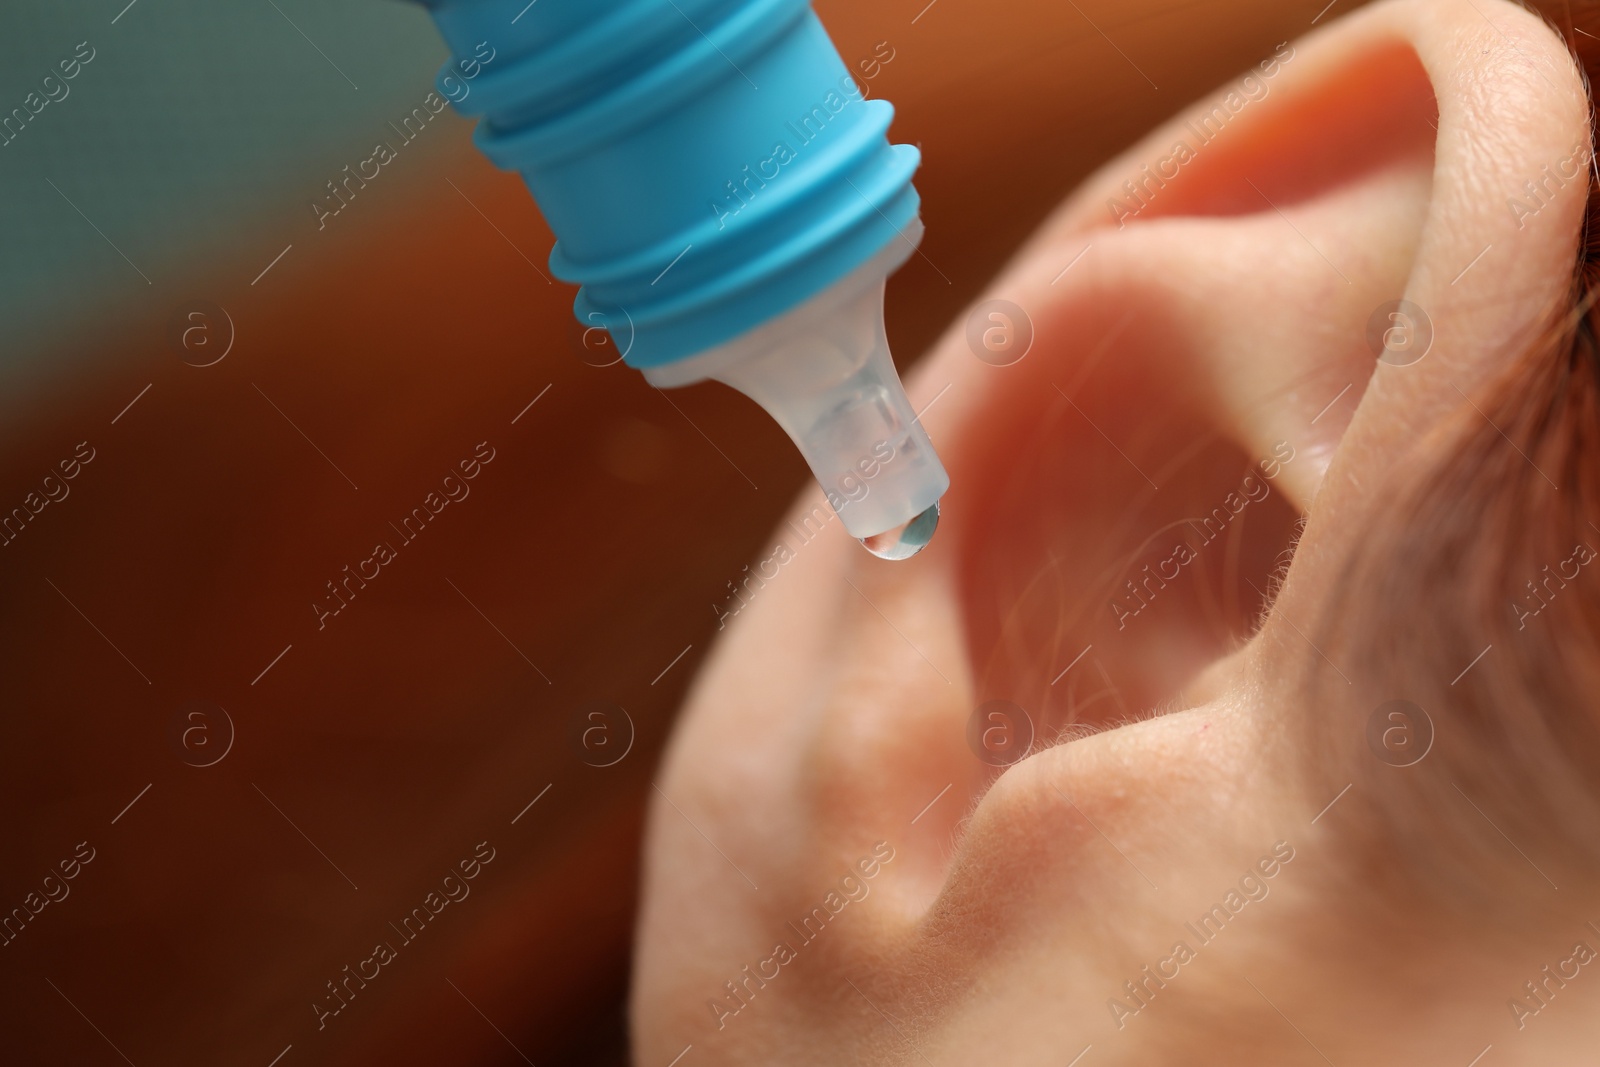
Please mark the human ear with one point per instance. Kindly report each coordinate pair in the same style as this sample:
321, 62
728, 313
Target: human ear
1217, 332
1230, 314
1235, 302
1222, 330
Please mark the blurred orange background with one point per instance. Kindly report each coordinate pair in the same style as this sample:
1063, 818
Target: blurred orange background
372, 754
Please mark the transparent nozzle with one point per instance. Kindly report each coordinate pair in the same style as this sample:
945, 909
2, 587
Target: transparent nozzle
823, 371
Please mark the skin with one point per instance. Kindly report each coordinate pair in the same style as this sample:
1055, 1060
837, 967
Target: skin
206, 926
833, 715
411, 328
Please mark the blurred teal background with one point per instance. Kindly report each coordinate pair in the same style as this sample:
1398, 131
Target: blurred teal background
200, 131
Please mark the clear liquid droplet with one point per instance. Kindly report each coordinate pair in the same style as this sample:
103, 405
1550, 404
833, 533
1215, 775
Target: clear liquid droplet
906, 540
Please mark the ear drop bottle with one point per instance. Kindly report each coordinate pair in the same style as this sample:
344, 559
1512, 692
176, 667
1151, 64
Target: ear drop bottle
730, 206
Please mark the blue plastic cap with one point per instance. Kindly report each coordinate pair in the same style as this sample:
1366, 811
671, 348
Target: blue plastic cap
705, 165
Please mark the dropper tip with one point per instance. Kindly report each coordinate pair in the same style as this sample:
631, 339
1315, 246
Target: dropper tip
907, 539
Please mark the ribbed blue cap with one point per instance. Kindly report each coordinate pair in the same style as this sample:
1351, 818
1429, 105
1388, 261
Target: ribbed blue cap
705, 165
